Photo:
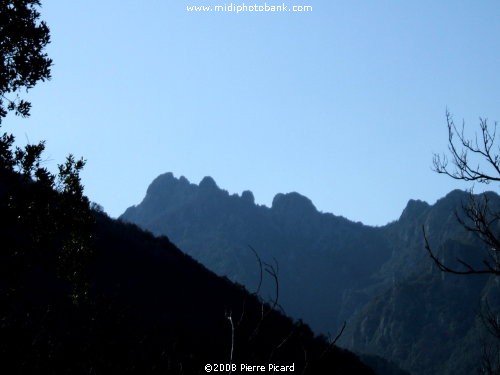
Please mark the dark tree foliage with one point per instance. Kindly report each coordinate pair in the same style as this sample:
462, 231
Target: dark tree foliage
47, 205
50, 208
23, 38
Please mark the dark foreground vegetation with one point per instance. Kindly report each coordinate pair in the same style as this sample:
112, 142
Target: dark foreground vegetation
81, 293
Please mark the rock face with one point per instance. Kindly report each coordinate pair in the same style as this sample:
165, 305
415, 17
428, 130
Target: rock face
413, 209
293, 204
248, 197
330, 270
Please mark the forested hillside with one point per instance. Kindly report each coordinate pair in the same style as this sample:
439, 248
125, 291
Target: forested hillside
81, 293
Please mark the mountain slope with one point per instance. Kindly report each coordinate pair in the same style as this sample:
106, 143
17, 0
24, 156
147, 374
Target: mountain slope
217, 229
145, 306
380, 280
426, 316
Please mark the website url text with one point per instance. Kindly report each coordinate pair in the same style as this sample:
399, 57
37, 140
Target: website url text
249, 8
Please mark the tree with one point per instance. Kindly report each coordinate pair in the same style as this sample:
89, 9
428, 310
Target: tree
50, 207
476, 160
23, 39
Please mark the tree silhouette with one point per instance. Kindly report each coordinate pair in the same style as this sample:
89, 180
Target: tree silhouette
45, 204
23, 38
476, 160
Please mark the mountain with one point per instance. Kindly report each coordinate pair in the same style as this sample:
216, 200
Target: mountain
326, 269
421, 318
217, 230
83, 294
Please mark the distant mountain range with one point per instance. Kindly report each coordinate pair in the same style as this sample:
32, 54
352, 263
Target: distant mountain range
328, 269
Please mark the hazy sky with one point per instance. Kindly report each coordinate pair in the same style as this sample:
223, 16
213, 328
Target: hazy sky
345, 104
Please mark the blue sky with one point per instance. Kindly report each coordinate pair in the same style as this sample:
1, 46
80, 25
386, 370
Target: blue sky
345, 104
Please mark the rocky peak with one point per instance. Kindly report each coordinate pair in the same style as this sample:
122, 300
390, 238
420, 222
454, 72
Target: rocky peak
167, 183
208, 183
247, 196
413, 209
162, 181
292, 202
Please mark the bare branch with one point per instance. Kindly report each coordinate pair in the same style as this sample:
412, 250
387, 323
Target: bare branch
273, 271
459, 151
469, 270
230, 318
339, 334
478, 216
306, 362
260, 269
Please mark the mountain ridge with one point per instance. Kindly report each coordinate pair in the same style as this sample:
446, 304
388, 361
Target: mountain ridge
340, 267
